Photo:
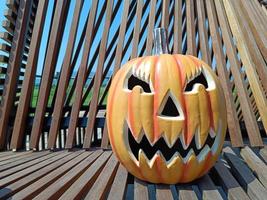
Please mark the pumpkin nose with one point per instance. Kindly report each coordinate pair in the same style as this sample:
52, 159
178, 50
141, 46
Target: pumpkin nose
170, 106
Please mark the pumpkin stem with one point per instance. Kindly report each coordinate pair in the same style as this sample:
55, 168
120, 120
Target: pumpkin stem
161, 45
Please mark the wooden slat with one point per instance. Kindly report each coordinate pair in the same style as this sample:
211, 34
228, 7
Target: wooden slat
229, 183
140, 189
190, 28
233, 124
119, 184
20, 174
22, 183
35, 188
49, 67
118, 58
208, 189
263, 153
27, 86
13, 155
257, 28
203, 32
186, 193
177, 39
55, 190
23, 159
165, 14
16, 55
64, 77
163, 192
151, 24
104, 181
81, 77
256, 164
250, 66
245, 177
249, 118
97, 82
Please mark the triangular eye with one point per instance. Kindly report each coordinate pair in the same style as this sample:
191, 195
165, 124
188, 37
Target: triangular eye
134, 81
201, 79
170, 109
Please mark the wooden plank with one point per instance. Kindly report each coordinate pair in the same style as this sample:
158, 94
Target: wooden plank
163, 192
16, 175
81, 77
208, 188
229, 183
177, 39
203, 32
190, 28
22, 183
257, 28
21, 159
165, 14
56, 189
13, 155
249, 118
97, 82
25, 96
18, 43
140, 189
5, 153
104, 180
263, 153
250, 66
119, 184
256, 164
186, 192
118, 58
233, 123
49, 67
245, 177
151, 24
64, 77
35, 188
137, 25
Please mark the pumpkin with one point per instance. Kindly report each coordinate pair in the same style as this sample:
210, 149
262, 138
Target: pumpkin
166, 116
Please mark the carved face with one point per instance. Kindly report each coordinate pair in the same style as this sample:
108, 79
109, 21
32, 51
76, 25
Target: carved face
166, 118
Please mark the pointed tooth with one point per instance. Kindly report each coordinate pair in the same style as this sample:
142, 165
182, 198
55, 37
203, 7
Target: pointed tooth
197, 139
188, 156
204, 117
212, 133
167, 138
182, 139
146, 116
203, 154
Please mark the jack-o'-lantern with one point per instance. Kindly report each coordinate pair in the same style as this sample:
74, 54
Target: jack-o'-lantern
166, 116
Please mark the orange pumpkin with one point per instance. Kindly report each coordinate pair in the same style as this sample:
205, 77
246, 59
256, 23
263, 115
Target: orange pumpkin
166, 117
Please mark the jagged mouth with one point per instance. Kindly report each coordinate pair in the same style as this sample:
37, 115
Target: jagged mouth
178, 149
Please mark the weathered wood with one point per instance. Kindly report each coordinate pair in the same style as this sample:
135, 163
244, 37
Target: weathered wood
81, 77
186, 193
15, 56
104, 181
49, 67
256, 164
56, 189
163, 192
208, 189
165, 14
190, 28
64, 77
232, 120
140, 189
245, 177
245, 51
97, 82
119, 184
27, 86
39, 185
